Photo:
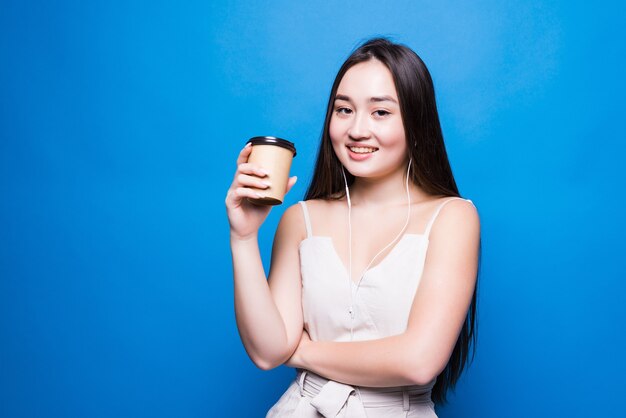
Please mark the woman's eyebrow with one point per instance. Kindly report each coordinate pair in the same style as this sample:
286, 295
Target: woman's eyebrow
383, 99
342, 97
375, 99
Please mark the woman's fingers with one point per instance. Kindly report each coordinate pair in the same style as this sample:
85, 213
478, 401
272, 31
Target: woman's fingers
244, 167
251, 169
244, 154
247, 180
291, 182
235, 196
242, 192
250, 179
250, 176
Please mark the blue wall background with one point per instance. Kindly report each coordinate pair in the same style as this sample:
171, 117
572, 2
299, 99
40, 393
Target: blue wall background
120, 124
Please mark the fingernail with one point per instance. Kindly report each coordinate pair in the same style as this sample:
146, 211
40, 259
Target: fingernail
259, 195
267, 183
264, 172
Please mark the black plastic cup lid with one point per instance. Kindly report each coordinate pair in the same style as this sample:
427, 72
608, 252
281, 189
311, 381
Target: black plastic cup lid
271, 140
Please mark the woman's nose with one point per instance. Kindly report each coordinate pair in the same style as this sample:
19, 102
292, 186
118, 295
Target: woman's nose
359, 129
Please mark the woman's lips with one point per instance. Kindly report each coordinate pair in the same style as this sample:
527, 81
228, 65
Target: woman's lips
360, 153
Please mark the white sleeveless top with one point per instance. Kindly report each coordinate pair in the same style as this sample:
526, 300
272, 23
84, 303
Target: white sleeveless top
381, 309
384, 298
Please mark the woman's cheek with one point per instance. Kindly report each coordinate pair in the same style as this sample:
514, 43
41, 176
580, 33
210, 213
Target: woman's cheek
333, 131
335, 137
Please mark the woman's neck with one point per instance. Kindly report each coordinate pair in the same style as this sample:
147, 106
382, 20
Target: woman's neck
389, 191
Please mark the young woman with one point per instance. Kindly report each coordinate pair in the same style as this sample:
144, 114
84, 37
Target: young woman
371, 292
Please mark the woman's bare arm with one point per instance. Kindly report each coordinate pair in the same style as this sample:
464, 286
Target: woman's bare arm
438, 312
268, 312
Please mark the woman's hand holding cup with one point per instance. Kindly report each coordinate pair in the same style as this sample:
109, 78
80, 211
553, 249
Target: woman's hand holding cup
250, 181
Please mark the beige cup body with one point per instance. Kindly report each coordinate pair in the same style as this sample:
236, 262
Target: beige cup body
276, 161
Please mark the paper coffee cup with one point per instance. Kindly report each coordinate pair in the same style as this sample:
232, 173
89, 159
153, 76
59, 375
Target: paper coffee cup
273, 155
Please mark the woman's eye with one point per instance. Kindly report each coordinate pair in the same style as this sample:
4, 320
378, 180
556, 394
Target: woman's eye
343, 111
381, 113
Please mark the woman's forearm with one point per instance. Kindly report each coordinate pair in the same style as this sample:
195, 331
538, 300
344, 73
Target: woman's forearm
260, 324
391, 361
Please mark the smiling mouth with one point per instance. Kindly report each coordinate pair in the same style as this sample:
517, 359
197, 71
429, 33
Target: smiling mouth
362, 150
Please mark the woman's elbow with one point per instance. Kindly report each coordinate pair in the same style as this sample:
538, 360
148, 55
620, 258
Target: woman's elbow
270, 362
420, 374
266, 362
265, 365
422, 378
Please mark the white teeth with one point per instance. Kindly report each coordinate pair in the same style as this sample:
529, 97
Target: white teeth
362, 150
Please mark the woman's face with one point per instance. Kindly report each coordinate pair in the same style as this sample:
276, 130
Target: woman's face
366, 127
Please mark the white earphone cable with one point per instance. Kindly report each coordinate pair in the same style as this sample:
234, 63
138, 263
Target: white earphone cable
353, 294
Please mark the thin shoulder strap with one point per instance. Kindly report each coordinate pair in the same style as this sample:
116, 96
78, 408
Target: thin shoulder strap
432, 219
307, 219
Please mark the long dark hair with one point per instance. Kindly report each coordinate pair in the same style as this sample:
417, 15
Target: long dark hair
430, 169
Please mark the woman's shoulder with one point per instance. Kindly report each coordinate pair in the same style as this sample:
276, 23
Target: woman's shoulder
316, 213
454, 202
292, 223
455, 213
294, 216
323, 205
